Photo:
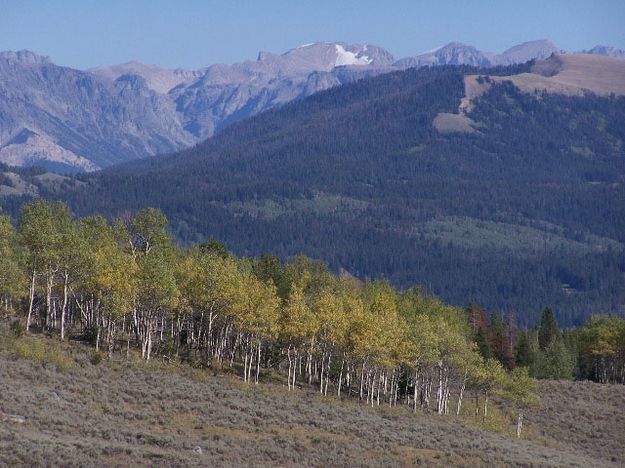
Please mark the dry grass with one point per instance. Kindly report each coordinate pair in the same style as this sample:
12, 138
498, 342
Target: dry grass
121, 413
585, 415
447, 123
573, 75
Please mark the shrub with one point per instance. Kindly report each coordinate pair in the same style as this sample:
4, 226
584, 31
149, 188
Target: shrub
58, 358
29, 349
90, 335
17, 328
96, 358
35, 350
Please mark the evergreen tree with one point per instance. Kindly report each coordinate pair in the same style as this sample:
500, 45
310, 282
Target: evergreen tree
547, 330
483, 344
524, 355
215, 247
501, 346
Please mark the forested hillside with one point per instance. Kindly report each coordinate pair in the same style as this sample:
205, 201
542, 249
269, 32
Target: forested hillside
525, 211
128, 280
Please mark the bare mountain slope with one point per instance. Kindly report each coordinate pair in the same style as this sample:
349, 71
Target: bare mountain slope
157, 78
569, 74
84, 120
78, 120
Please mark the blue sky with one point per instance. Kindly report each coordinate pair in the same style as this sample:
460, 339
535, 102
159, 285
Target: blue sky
194, 33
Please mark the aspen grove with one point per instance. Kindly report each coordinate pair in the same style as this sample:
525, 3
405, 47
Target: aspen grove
126, 286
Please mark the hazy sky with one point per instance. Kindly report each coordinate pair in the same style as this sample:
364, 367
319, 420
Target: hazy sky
195, 33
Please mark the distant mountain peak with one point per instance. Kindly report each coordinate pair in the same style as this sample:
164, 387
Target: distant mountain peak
454, 44
264, 55
534, 43
324, 56
25, 56
157, 78
458, 53
606, 51
531, 50
452, 53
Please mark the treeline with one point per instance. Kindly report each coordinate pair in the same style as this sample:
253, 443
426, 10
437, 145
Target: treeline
125, 285
595, 351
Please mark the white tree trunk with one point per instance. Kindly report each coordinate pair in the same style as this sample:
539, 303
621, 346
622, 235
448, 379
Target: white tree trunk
49, 284
461, 394
258, 364
64, 308
31, 300
341, 376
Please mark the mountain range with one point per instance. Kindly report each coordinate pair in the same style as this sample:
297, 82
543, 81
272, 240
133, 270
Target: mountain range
81, 120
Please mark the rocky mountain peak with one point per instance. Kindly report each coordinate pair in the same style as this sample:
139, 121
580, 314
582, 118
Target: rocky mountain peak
26, 57
606, 51
531, 50
325, 56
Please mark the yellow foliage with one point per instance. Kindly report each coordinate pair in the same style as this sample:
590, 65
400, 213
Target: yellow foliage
44, 353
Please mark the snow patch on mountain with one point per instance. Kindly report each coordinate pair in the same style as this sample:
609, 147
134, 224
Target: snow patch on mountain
431, 51
346, 57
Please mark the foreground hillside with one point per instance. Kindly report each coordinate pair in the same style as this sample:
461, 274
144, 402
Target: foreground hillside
124, 412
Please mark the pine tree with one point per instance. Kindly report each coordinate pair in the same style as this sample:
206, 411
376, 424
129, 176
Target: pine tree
524, 355
501, 346
483, 344
547, 330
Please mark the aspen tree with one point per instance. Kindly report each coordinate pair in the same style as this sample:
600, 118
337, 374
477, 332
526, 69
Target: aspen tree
490, 379
212, 287
110, 277
12, 279
71, 248
519, 388
353, 309
41, 229
296, 329
157, 289
602, 348
257, 320
331, 331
